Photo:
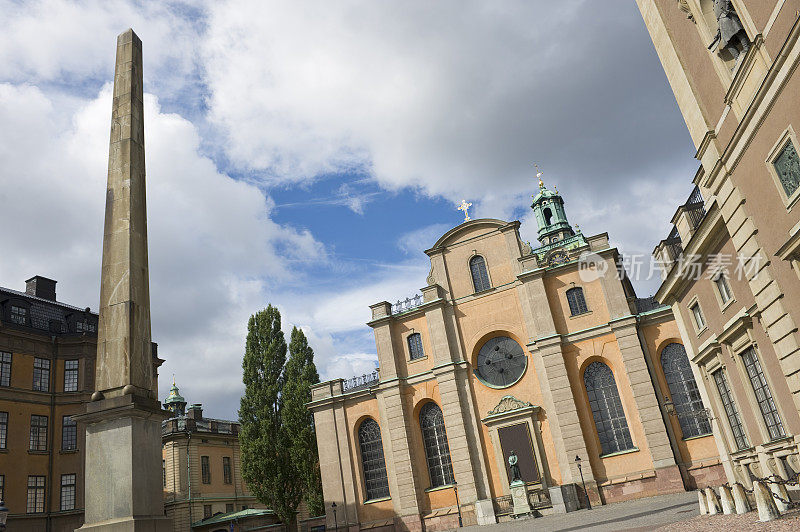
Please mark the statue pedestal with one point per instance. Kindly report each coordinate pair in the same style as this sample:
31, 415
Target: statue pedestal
519, 496
123, 490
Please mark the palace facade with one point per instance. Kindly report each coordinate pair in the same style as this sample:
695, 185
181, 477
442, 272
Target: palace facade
732, 260
545, 351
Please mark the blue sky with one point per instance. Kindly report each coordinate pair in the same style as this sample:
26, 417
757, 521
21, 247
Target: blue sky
305, 154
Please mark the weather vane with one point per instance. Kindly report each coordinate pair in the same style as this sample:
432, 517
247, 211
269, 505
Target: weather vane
465, 207
539, 175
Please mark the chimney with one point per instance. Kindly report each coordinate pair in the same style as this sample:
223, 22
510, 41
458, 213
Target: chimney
41, 287
195, 412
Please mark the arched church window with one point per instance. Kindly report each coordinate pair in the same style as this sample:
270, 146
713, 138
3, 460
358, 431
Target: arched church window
415, 346
683, 389
376, 484
480, 277
609, 417
437, 451
548, 215
500, 362
577, 303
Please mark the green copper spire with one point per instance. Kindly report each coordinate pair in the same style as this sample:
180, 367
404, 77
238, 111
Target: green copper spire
174, 402
548, 206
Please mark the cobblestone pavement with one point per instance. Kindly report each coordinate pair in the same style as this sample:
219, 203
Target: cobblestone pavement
748, 521
678, 512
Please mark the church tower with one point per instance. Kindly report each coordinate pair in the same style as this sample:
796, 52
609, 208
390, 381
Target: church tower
174, 402
548, 206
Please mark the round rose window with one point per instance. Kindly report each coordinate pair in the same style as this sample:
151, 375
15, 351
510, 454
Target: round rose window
501, 362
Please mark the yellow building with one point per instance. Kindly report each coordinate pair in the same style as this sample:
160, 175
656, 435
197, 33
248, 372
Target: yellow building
201, 468
47, 353
543, 351
732, 274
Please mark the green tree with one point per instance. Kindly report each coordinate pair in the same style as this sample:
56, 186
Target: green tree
279, 453
300, 374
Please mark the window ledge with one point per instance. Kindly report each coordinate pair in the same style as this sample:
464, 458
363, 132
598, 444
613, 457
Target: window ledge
438, 488
724, 306
412, 360
371, 501
701, 331
582, 314
68, 451
690, 438
484, 291
33, 451
626, 451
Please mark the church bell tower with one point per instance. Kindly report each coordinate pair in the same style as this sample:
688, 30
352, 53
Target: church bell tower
548, 206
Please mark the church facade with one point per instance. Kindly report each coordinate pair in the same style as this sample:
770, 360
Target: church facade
544, 352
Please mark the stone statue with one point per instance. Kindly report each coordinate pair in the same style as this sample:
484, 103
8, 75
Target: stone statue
516, 476
730, 30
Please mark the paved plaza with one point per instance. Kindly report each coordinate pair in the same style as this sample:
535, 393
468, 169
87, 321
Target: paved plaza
678, 512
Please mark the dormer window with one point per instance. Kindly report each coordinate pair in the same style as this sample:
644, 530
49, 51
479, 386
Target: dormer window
19, 315
480, 276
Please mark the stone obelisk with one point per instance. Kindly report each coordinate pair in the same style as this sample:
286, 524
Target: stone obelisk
123, 421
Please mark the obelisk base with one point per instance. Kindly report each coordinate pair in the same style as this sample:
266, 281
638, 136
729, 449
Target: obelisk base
123, 485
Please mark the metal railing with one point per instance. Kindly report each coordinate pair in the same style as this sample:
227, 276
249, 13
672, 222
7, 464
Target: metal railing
406, 304
360, 382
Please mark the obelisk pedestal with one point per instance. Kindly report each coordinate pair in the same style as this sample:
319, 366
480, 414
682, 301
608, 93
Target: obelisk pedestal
123, 486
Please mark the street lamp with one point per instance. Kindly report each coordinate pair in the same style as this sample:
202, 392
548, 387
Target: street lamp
588, 502
3, 515
458, 504
335, 522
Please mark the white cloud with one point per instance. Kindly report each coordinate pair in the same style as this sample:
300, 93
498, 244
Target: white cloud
214, 252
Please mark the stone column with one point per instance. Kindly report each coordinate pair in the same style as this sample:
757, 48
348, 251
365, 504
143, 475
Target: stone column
459, 411
558, 401
644, 395
123, 421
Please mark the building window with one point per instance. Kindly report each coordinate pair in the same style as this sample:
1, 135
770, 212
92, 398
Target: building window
723, 288
226, 470
68, 492
730, 410
19, 315
437, 450
787, 167
70, 375
207, 511
41, 374
5, 369
415, 346
577, 303
206, 469
699, 320
69, 434
609, 417
763, 394
35, 495
480, 277
228, 507
376, 484
38, 438
3, 429
683, 389
84, 326
500, 362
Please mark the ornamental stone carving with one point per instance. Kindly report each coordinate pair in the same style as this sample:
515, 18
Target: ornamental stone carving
507, 404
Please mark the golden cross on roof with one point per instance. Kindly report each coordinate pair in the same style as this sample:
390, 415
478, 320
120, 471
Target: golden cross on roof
465, 207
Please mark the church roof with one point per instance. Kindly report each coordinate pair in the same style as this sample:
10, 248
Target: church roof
452, 234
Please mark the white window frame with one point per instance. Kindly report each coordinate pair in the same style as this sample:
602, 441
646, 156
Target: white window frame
787, 136
698, 327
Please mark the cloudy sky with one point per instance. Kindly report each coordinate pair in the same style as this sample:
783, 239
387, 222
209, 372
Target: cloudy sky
305, 153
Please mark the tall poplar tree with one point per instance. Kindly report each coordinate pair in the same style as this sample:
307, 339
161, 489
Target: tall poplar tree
300, 374
279, 454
